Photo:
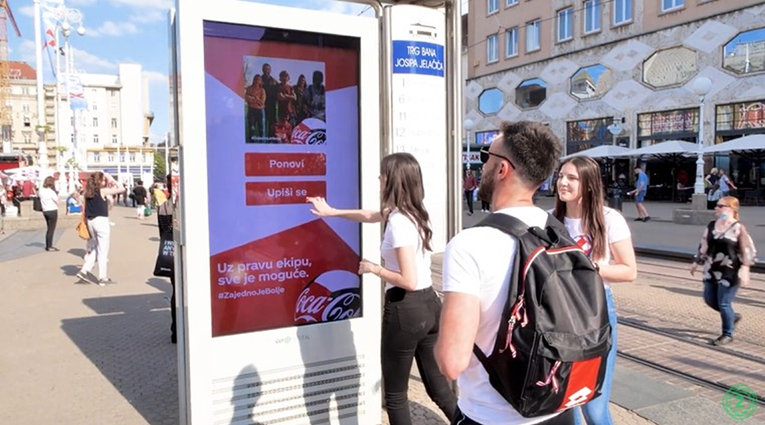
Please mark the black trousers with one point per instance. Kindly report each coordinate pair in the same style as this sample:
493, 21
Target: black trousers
172, 309
565, 418
51, 217
410, 329
469, 199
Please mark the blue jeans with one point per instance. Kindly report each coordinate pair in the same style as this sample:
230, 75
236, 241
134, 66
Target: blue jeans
597, 411
720, 298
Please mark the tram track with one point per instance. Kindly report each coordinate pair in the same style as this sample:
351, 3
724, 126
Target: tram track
690, 377
657, 331
706, 383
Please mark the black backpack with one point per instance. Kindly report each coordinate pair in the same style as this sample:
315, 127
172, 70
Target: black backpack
554, 336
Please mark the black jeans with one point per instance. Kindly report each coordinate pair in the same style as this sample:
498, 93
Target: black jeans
172, 309
565, 418
469, 199
51, 217
410, 329
485, 205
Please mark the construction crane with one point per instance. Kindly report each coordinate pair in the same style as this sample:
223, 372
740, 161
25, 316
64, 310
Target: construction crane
6, 118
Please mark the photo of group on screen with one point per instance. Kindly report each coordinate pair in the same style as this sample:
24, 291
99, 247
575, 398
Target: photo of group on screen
275, 107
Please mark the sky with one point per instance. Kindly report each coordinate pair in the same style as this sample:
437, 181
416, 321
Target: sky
129, 31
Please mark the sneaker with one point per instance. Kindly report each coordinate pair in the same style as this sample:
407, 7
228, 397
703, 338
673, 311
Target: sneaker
103, 282
51, 249
722, 340
83, 276
647, 218
638, 219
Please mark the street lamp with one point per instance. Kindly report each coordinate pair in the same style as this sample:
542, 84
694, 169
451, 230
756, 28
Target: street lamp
468, 124
65, 18
700, 88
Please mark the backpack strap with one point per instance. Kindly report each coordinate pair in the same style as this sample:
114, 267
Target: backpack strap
506, 223
515, 227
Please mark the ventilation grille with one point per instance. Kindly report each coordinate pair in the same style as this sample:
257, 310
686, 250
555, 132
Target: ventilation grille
311, 394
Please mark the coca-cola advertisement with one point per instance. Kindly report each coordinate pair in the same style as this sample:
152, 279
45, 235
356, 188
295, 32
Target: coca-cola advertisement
295, 105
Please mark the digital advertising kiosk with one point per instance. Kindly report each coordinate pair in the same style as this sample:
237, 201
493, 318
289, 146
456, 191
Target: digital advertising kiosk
275, 105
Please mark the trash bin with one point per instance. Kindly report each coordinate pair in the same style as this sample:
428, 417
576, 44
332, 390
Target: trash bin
615, 197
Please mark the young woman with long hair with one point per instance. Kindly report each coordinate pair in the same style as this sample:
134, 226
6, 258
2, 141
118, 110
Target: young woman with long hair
726, 251
49, 200
604, 235
412, 309
96, 209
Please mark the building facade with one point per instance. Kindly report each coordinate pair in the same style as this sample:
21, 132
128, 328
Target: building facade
580, 66
22, 137
111, 133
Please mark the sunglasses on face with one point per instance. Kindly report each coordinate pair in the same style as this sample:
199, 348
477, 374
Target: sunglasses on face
485, 154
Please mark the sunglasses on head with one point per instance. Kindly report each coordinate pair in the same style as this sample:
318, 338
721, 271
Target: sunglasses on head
485, 154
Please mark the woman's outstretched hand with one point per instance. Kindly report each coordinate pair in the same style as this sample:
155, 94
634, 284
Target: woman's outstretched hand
320, 206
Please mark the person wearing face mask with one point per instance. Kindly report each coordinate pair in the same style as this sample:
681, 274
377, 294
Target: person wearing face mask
726, 251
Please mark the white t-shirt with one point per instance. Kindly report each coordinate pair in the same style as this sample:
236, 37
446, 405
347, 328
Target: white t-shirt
48, 198
479, 261
399, 232
616, 230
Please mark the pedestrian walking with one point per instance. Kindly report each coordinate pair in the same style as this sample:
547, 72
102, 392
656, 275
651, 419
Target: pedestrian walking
140, 197
469, 184
412, 308
49, 202
727, 252
98, 187
641, 188
478, 269
604, 236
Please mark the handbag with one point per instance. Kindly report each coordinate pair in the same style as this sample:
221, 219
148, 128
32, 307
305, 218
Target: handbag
146, 210
82, 227
164, 266
36, 203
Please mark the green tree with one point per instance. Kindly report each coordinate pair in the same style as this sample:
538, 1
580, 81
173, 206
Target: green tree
160, 168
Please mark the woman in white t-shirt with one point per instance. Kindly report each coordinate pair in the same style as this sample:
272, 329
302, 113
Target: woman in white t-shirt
604, 235
412, 309
49, 201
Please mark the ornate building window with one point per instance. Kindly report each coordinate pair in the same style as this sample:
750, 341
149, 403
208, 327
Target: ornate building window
669, 67
745, 54
590, 82
491, 101
531, 93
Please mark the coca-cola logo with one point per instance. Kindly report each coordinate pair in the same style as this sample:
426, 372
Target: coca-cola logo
334, 295
309, 307
342, 306
311, 131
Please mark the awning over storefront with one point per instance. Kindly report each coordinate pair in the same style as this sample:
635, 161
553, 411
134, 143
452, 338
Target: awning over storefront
670, 147
603, 151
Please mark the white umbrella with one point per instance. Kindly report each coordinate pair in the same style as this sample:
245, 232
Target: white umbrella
754, 142
750, 147
602, 151
670, 147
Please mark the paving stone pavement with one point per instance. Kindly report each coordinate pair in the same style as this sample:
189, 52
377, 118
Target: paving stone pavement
84, 354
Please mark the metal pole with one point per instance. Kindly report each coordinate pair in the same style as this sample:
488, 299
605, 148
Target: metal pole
698, 186
57, 116
386, 81
42, 148
454, 83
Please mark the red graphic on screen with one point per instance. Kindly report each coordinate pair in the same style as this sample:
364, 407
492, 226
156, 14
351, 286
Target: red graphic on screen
302, 275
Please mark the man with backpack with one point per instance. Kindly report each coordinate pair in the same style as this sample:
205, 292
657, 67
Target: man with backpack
514, 361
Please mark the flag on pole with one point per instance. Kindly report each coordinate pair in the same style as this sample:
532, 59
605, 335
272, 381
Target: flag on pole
76, 93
